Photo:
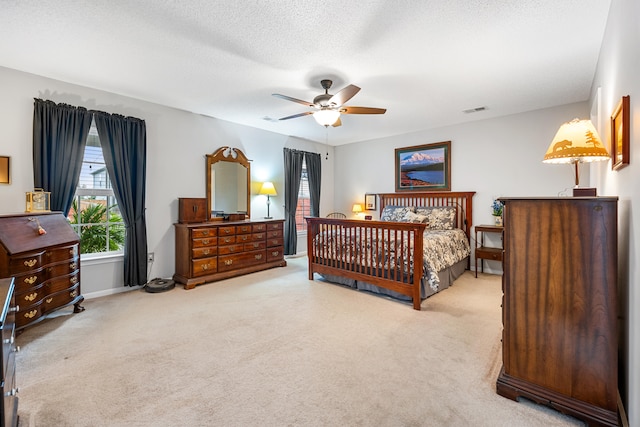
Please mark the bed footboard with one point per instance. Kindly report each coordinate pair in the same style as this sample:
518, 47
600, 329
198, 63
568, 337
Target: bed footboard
386, 254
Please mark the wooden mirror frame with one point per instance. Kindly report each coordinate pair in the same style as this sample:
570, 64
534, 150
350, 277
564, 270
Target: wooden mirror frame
232, 155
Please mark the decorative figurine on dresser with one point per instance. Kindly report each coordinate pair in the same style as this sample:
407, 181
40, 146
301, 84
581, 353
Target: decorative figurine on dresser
559, 342
42, 252
229, 244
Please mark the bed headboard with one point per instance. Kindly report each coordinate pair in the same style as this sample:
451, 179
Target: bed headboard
462, 200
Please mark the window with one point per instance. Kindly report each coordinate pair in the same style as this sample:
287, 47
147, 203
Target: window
303, 208
95, 215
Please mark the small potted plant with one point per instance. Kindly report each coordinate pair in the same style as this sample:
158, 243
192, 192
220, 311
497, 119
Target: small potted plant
496, 210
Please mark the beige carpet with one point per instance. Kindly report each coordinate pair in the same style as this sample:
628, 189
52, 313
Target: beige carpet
272, 349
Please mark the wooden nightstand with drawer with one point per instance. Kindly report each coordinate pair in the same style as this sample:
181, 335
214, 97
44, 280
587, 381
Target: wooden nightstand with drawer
483, 252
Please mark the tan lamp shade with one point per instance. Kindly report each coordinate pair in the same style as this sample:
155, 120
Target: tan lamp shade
268, 189
357, 208
576, 141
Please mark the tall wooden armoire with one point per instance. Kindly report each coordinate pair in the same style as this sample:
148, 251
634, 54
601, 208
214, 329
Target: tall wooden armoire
559, 305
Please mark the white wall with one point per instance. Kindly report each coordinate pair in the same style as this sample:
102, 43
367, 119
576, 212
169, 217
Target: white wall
177, 142
494, 157
616, 76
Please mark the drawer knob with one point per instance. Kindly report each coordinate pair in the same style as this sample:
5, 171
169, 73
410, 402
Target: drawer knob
30, 297
30, 262
258, 256
73, 266
30, 280
205, 233
73, 280
48, 300
31, 314
275, 253
206, 252
228, 261
73, 294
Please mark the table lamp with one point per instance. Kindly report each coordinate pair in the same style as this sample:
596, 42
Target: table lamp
268, 190
576, 142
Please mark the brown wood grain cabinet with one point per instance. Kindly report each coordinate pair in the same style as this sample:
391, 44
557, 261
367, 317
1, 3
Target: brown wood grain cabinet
559, 305
210, 251
45, 265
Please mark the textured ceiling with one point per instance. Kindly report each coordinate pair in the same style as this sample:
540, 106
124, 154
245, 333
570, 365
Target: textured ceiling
425, 61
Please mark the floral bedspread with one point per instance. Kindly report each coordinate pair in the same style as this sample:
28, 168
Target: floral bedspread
441, 249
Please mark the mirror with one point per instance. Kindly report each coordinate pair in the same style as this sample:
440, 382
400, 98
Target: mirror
228, 180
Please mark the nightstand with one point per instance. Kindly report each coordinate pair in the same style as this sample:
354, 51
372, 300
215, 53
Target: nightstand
486, 252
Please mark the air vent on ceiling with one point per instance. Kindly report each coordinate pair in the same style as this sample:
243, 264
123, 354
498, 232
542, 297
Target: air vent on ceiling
474, 110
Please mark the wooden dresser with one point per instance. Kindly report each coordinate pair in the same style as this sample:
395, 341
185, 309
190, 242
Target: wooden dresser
559, 305
210, 251
46, 266
9, 407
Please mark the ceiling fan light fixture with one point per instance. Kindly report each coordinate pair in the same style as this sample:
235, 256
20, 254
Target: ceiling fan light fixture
326, 117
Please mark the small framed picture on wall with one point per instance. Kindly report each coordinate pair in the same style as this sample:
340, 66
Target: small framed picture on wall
370, 202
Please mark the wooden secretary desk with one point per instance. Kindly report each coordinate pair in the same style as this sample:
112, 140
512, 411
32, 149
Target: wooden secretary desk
559, 345
45, 264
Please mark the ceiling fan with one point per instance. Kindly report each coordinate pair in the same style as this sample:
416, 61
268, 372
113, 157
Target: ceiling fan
329, 107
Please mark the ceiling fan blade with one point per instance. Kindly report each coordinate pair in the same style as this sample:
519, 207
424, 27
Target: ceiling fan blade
337, 123
288, 98
344, 95
362, 110
297, 115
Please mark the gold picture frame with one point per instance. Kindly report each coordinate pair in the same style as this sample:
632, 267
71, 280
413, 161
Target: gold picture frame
5, 170
620, 134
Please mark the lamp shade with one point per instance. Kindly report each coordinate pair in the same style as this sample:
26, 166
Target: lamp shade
268, 189
576, 141
357, 208
326, 117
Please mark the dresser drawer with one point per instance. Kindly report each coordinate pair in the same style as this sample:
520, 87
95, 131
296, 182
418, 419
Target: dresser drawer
226, 240
275, 242
63, 282
29, 280
256, 228
230, 249
274, 226
254, 246
206, 252
204, 266
26, 262
232, 262
199, 233
243, 238
204, 242
61, 254
226, 231
61, 298
274, 233
30, 296
29, 314
243, 229
275, 254
62, 268
258, 236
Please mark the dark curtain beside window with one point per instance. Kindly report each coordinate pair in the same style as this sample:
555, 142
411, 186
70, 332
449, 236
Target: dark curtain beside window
124, 145
314, 172
292, 170
59, 137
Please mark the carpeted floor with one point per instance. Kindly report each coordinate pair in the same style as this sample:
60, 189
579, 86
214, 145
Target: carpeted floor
273, 349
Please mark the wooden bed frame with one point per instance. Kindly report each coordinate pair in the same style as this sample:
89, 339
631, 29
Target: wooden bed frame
368, 270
